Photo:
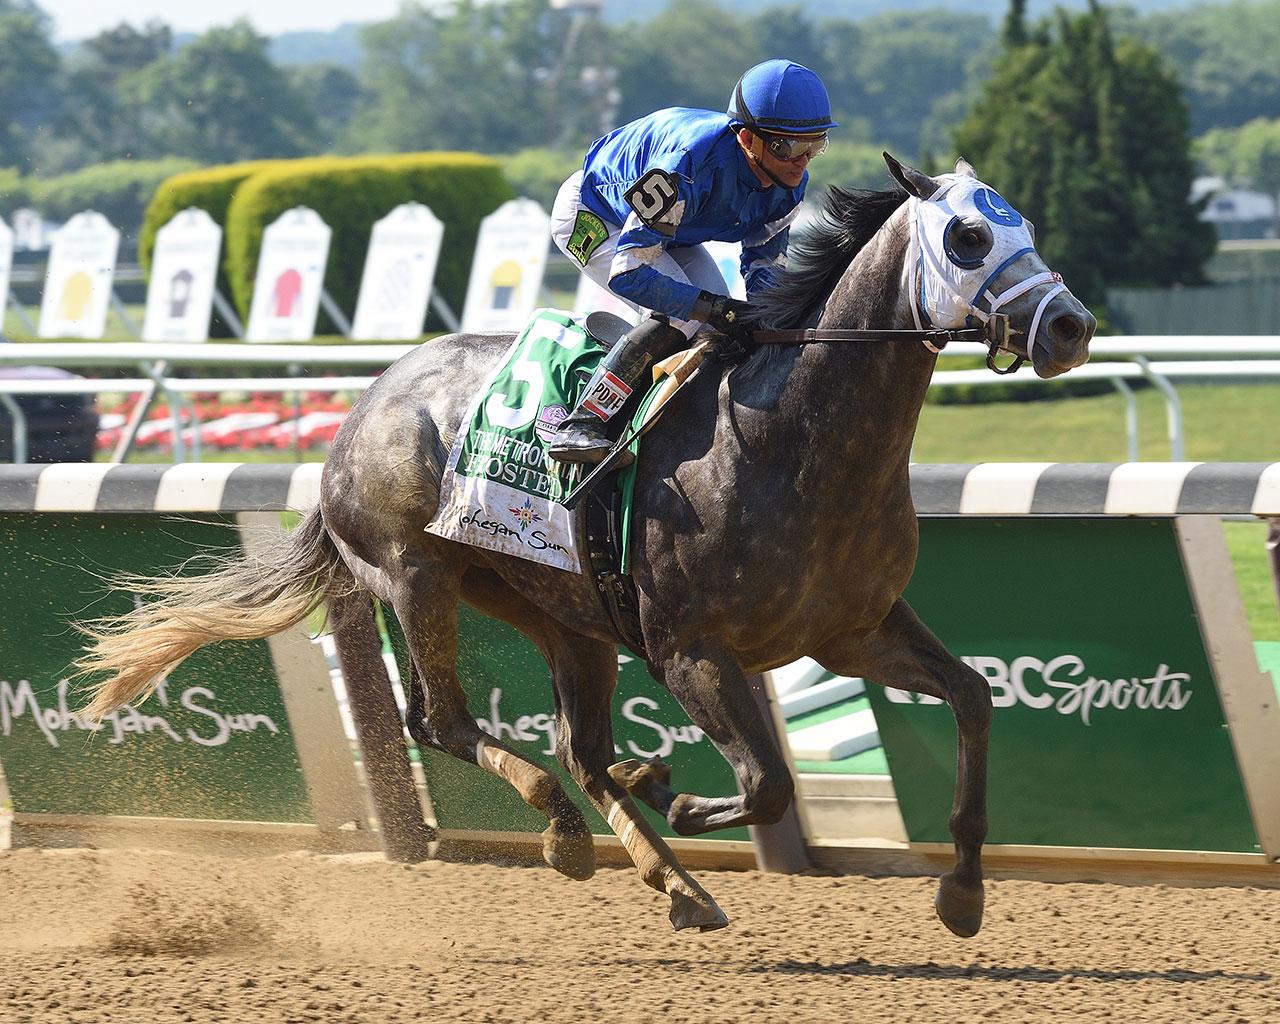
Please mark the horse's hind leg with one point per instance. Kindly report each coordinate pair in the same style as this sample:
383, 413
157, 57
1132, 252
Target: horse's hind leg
425, 598
710, 686
585, 672
902, 652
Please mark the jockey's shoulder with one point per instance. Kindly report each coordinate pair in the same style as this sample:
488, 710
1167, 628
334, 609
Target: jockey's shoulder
682, 133
693, 140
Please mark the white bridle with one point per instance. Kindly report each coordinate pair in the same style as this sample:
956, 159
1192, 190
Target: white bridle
940, 286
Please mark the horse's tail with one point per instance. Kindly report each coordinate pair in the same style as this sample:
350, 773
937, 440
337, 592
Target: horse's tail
243, 598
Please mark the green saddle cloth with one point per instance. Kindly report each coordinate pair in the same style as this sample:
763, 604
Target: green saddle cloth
500, 490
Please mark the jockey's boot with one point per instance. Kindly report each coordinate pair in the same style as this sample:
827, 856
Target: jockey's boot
581, 437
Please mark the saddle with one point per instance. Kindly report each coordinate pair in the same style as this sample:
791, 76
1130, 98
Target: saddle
498, 490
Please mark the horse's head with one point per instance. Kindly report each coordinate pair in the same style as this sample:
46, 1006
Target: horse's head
972, 255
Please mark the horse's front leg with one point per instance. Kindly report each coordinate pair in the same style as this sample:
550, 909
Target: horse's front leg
709, 684
902, 652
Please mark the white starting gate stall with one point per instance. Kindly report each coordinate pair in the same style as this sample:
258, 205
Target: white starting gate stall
399, 270
290, 277
184, 274
506, 272
77, 285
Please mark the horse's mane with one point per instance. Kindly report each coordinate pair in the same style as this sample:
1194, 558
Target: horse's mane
815, 261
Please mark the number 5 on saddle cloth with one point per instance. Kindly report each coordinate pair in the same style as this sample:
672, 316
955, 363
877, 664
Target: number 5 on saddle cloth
500, 490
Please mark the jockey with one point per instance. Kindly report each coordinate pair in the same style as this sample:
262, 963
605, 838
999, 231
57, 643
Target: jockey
650, 192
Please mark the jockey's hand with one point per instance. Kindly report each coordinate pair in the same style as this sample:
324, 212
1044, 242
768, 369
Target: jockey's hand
726, 315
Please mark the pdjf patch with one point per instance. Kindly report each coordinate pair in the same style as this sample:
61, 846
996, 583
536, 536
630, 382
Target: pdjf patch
608, 394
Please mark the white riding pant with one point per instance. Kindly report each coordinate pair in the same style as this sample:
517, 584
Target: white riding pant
689, 264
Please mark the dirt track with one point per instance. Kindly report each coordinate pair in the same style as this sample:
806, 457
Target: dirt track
154, 937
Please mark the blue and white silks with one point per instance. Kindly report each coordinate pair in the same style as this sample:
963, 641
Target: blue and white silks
717, 198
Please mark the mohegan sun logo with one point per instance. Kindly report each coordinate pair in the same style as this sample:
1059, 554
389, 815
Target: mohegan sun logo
525, 515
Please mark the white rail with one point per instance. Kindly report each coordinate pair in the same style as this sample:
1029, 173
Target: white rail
1159, 346
1116, 359
97, 353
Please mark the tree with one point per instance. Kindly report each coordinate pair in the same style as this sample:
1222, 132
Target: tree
220, 99
689, 55
332, 93
1069, 128
538, 173
95, 123
1226, 56
118, 51
848, 164
1248, 156
479, 76
910, 64
1013, 32
28, 69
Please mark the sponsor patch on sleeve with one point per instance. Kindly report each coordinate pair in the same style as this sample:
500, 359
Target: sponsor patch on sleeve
652, 197
589, 231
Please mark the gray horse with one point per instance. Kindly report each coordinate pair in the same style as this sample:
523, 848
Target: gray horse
774, 521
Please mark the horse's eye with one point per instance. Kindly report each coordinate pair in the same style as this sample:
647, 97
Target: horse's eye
967, 245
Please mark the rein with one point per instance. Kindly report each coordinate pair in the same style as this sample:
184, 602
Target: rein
995, 335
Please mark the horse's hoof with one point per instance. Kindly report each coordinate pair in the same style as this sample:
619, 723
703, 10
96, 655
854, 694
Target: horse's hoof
632, 774
624, 771
959, 906
681, 818
698, 912
644, 780
571, 853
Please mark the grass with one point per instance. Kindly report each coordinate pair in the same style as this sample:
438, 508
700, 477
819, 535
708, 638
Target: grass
1222, 423
1246, 542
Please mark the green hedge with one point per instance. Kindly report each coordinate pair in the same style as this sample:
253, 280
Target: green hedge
13, 192
210, 189
119, 190
350, 194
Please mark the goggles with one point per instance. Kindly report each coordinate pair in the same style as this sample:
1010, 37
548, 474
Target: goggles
793, 147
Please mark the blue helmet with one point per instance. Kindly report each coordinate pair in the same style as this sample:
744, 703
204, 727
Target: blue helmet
781, 96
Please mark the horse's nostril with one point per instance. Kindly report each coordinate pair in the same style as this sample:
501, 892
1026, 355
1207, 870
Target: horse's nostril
1067, 328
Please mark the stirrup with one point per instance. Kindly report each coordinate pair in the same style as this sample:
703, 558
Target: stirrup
576, 443
582, 445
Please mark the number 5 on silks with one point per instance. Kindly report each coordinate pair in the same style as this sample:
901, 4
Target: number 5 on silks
529, 370
652, 197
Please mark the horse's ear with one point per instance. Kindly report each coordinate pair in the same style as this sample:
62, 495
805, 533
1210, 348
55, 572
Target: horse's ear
915, 182
965, 169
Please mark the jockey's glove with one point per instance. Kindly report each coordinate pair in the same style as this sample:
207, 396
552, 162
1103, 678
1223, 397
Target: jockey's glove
726, 315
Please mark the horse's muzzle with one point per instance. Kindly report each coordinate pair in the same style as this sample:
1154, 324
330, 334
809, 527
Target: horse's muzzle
1063, 341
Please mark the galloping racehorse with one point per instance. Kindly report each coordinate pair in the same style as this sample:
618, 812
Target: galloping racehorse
774, 521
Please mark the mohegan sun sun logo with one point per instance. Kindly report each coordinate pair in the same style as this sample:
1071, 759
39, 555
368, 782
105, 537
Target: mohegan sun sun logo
525, 515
